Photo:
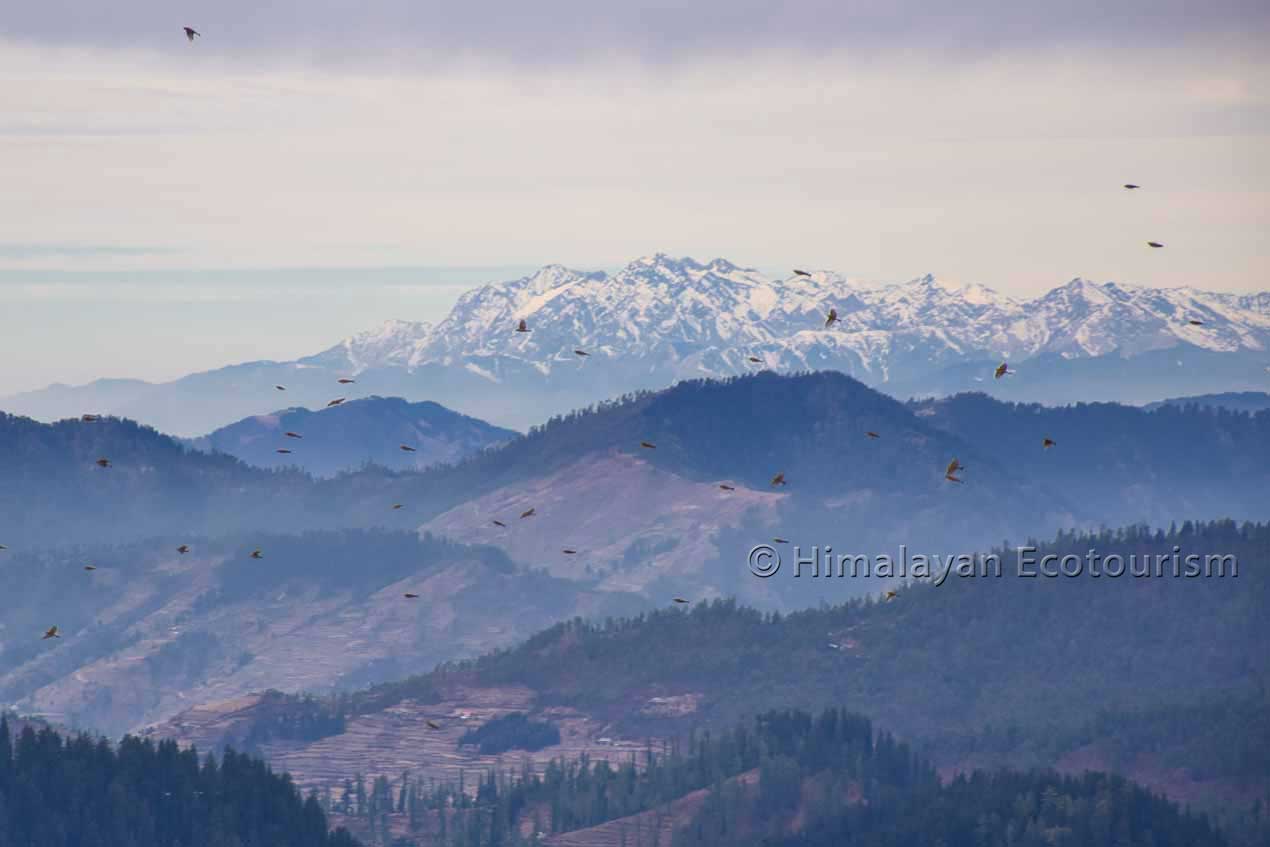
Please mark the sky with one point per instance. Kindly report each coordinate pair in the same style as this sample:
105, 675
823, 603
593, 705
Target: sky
304, 171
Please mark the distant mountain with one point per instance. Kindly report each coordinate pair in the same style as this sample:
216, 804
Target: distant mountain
1080, 673
356, 433
660, 320
1238, 401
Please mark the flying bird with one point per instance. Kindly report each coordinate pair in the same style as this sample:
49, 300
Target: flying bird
103, 463
1131, 186
345, 381
1048, 443
779, 479
406, 448
727, 487
281, 387
335, 402
90, 418
410, 596
680, 600
1155, 244
890, 595
581, 353
293, 435
2, 547
1002, 370
396, 505
832, 318
568, 552
522, 327
500, 523
648, 445
797, 272
190, 32
1195, 323
183, 549
780, 540
756, 360
256, 554
954, 466
52, 633
433, 725
872, 434
528, 513
90, 567
282, 450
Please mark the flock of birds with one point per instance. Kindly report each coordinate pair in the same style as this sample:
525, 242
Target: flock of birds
950, 472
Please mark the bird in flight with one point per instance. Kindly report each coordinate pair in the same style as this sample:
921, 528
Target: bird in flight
1003, 369
52, 633
569, 552
680, 600
281, 387
1131, 186
183, 549
1195, 323
345, 381
396, 505
779, 479
780, 540
1155, 244
410, 596
90, 418
648, 445
335, 402
256, 554
2, 547
528, 513
756, 360
406, 448
293, 435
90, 567
433, 725
797, 272
190, 32
500, 523
832, 318
282, 450
1048, 443
890, 595
581, 353
727, 487
872, 434
954, 466
103, 463
522, 326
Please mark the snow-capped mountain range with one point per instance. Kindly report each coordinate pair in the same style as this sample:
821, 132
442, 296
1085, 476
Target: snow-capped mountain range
661, 319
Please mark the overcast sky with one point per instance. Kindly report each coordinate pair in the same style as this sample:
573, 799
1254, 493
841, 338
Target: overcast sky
151, 190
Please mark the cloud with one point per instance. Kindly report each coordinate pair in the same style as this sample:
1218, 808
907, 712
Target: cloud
555, 32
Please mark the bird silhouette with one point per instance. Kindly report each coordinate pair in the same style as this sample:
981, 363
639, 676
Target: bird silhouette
500, 523
335, 402
345, 381
797, 272
1195, 323
780, 540
569, 552
779, 479
726, 487
282, 450
90, 418
396, 505
648, 445
256, 554
581, 353
51, 633
832, 318
872, 434
954, 466
1154, 244
522, 327
680, 600
410, 596
1131, 186
190, 32
1002, 370
407, 448
103, 463
90, 567
2, 547
433, 724
528, 513
890, 595
1048, 443
183, 549
756, 360
281, 387
293, 435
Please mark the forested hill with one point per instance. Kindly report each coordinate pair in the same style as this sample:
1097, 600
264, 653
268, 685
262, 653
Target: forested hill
82, 792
